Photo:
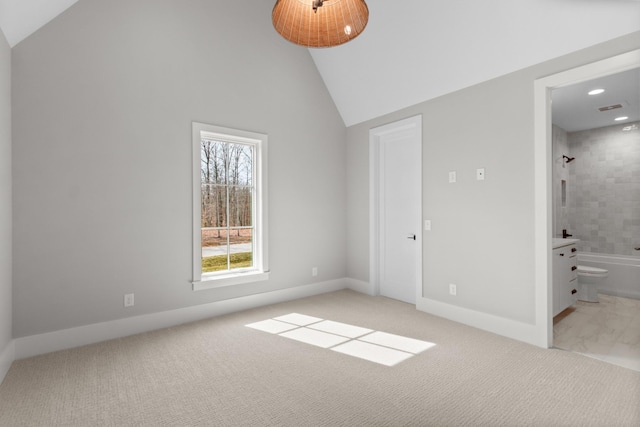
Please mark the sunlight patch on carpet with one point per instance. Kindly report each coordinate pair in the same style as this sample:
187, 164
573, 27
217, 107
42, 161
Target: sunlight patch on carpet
313, 337
398, 342
375, 346
272, 326
374, 353
298, 319
341, 329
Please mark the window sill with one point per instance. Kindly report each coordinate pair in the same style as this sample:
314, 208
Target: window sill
229, 280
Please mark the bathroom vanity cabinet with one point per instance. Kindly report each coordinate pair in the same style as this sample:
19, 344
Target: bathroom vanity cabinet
565, 277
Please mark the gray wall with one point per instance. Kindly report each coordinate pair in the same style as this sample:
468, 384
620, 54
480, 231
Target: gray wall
482, 236
604, 201
5, 194
104, 97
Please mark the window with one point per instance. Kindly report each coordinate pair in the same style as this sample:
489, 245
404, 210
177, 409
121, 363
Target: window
229, 207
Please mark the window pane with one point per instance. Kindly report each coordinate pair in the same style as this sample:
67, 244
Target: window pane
240, 164
213, 210
214, 250
240, 206
213, 162
241, 247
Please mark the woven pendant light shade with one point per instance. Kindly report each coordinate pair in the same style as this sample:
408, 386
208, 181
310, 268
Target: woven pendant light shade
332, 23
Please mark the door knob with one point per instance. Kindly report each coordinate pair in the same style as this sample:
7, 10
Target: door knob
412, 237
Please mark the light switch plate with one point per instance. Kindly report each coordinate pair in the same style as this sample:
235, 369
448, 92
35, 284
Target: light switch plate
452, 176
128, 300
427, 225
480, 174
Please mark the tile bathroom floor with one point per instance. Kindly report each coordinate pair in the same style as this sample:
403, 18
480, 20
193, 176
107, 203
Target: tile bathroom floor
608, 330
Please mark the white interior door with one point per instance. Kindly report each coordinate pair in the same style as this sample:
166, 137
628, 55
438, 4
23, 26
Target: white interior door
399, 200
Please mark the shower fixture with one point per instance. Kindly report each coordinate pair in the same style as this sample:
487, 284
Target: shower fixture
568, 159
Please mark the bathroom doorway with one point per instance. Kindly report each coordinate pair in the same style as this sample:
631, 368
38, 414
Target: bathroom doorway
595, 165
543, 194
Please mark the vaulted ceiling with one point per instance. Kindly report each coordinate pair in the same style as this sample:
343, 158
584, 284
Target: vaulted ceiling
20, 18
416, 50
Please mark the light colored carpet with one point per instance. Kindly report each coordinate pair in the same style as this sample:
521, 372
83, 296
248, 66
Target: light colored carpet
220, 373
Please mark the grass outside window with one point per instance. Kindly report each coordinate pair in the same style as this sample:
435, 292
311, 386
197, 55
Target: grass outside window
219, 262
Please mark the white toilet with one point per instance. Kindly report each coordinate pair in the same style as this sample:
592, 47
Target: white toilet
589, 279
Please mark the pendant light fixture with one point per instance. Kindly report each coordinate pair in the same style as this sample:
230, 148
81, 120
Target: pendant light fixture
320, 23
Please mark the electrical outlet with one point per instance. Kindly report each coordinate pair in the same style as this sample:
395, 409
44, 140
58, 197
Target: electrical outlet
314, 271
452, 289
128, 300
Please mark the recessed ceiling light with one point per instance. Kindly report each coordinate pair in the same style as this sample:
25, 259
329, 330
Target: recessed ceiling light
596, 92
617, 119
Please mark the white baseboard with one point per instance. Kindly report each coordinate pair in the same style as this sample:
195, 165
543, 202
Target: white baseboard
68, 338
7, 356
360, 286
520, 331
619, 293
34, 345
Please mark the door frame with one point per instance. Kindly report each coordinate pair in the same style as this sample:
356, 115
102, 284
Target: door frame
376, 199
543, 168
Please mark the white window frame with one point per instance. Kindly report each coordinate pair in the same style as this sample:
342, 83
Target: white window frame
260, 270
